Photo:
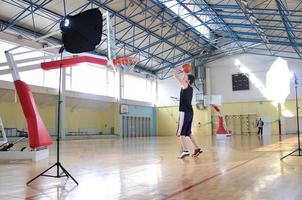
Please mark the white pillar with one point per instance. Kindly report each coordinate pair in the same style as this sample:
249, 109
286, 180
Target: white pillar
121, 78
12, 65
208, 81
156, 91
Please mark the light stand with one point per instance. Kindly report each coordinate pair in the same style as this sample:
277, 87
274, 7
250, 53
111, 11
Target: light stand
298, 130
58, 165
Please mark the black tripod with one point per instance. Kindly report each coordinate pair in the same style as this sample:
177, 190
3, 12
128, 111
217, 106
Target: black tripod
298, 130
58, 165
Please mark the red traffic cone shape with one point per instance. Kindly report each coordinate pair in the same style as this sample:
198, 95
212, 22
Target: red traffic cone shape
221, 129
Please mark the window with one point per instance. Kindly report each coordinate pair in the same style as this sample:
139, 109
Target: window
89, 79
32, 77
51, 78
138, 88
86, 78
3, 47
110, 84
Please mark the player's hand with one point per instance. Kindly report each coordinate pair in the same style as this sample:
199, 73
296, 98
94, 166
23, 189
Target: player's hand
179, 68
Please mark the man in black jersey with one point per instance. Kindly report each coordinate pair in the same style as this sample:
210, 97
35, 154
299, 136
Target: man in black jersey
186, 114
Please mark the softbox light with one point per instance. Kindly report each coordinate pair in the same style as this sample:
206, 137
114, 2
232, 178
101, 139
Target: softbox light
82, 32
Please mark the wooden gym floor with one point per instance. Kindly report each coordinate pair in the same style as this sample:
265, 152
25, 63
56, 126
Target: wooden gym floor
241, 167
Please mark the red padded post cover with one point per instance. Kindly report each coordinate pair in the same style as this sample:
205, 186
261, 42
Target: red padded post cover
215, 107
220, 128
38, 135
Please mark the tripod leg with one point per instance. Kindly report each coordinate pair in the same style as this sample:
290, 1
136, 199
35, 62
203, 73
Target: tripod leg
68, 175
290, 154
40, 174
300, 151
63, 174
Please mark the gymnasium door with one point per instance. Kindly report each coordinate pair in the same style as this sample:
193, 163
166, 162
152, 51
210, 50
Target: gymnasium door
134, 126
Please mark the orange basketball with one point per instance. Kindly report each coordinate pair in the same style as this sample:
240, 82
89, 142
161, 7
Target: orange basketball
187, 68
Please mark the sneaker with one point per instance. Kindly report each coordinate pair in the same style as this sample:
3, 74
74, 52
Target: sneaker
183, 154
196, 152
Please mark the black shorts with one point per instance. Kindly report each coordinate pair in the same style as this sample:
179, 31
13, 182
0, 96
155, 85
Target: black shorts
184, 124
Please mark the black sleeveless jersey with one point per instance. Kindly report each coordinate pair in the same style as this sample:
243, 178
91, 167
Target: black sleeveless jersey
185, 100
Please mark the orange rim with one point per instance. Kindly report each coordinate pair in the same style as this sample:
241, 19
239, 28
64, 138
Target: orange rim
125, 61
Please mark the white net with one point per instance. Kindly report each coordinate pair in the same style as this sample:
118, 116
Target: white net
212, 99
128, 67
126, 63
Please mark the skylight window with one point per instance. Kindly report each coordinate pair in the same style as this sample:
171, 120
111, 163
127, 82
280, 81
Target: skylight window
195, 21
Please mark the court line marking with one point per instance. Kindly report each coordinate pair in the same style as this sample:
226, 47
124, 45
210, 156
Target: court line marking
169, 196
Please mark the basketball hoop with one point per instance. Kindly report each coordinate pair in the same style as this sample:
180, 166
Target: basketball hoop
127, 63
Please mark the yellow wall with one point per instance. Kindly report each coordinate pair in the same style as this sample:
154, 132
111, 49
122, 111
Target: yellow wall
89, 118
12, 116
167, 118
261, 109
291, 106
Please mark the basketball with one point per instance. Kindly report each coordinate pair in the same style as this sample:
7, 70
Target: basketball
187, 68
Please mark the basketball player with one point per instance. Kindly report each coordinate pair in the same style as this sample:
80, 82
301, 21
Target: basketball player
186, 114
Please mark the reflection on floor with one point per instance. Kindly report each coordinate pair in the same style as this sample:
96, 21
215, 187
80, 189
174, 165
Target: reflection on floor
239, 167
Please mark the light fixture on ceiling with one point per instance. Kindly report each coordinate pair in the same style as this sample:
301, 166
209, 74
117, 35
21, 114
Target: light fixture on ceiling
66, 22
248, 10
244, 2
264, 38
253, 17
44, 44
131, 3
